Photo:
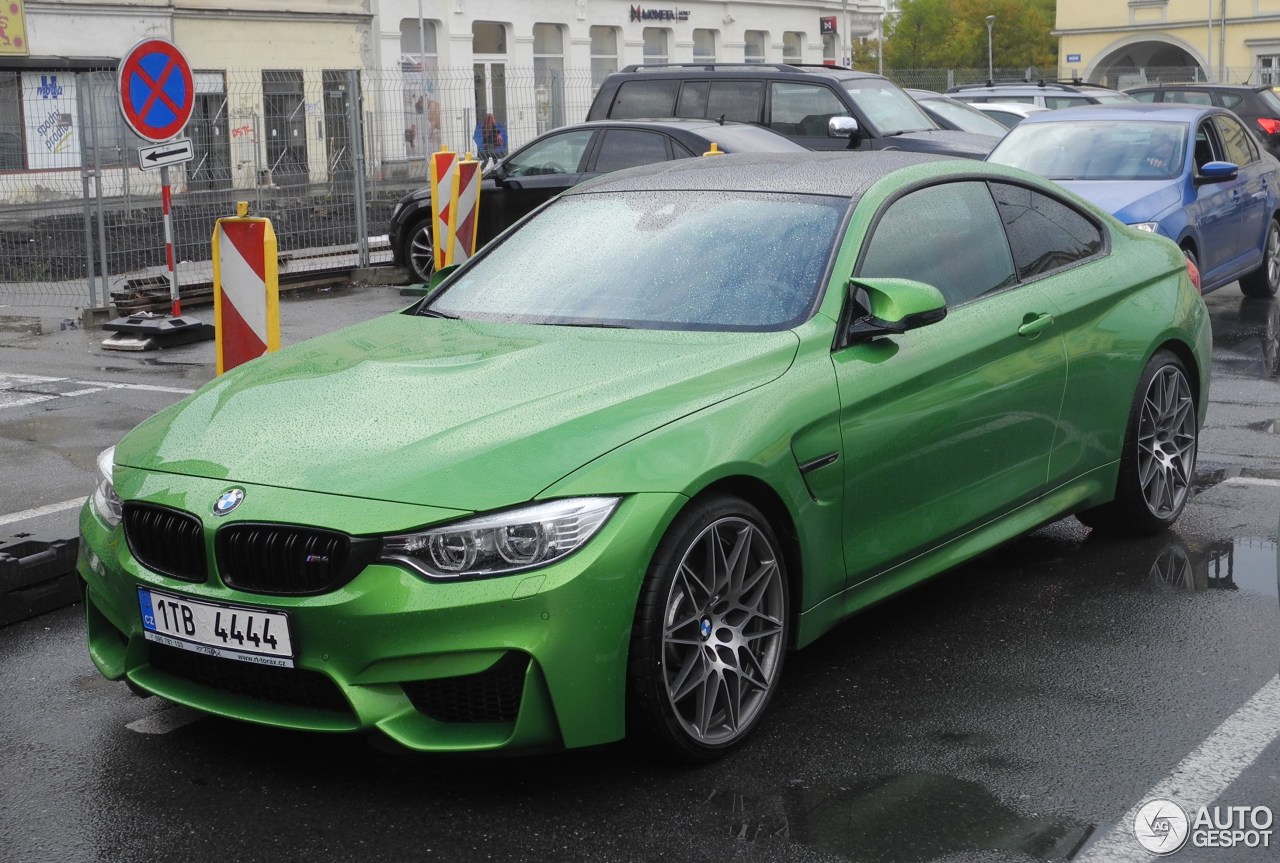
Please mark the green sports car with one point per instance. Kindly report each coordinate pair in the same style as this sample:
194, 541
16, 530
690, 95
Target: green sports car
607, 474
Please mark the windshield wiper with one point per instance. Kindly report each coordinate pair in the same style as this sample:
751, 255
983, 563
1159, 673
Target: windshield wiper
584, 324
433, 313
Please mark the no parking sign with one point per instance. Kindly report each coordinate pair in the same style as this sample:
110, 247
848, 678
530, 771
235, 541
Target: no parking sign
156, 89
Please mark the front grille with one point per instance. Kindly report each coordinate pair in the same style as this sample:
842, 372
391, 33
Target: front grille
167, 541
290, 686
287, 560
490, 696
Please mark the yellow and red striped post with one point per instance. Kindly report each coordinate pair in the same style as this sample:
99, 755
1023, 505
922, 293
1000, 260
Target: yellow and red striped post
455, 207
246, 288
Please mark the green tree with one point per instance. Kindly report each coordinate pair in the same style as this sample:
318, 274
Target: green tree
952, 34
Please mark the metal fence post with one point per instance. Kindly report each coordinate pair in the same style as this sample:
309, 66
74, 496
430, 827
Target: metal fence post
81, 101
355, 107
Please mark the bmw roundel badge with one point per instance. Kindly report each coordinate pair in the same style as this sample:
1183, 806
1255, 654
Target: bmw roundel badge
229, 500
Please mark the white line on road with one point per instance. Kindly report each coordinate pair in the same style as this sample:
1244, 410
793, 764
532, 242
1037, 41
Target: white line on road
41, 510
1250, 480
1203, 775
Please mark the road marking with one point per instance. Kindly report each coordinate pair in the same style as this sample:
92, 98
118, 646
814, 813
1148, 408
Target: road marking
41, 510
1203, 775
12, 396
1250, 480
165, 720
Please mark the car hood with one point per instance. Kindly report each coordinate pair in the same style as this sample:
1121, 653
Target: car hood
946, 142
455, 414
1130, 202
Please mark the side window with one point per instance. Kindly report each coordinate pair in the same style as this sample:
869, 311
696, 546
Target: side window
1230, 101
638, 99
1149, 96
1235, 141
1045, 234
742, 101
626, 148
1207, 147
560, 154
1056, 102
1190, 97
803, 109
693, 99
966, 255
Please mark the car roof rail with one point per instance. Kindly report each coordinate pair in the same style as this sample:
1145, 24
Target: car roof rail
1062, 84
710, 67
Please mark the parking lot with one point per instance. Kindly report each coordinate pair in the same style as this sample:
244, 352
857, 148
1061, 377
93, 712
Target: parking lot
1018, 708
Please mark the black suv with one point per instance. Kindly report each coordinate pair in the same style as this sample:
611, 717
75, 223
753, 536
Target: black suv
811, 105
1256, 104
1046, 94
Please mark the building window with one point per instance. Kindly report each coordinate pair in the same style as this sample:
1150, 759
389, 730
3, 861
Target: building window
12, 149
1269, 68
704, 46
792, 47
604, 53
829, 48
756, 40
655, 46
417, 37
548, 75
488, 37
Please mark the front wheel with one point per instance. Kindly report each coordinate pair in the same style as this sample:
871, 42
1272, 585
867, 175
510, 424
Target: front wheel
710, 631
418, 252
1264, 281
1159, 455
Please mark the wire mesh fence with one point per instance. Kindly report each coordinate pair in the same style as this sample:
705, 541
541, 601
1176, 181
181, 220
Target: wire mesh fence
324, 153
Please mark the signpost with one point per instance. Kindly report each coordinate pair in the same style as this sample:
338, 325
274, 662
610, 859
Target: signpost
157, 94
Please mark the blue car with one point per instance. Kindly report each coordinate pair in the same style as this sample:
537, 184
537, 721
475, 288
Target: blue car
1191, 173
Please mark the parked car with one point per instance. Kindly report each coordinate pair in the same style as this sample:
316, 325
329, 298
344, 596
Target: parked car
1044, 94
604, 477
1256, 104
800, 102
1008, 114
953, 114
558, 159
1189, 173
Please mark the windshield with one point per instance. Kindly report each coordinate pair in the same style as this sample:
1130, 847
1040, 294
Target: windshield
670, 260
889, 110
968, 119
1095, 149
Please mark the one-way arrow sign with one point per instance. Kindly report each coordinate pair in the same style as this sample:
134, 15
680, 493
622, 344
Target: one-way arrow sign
168, 153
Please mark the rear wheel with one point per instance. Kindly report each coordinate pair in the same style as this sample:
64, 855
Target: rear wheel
1159, 455
1264, 281
418, 252
710, 632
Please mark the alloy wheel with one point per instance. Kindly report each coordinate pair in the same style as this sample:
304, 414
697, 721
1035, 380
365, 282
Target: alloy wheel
723, 631
422, 254
1166, 442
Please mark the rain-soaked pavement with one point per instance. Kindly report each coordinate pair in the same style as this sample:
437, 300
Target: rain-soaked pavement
1012, 710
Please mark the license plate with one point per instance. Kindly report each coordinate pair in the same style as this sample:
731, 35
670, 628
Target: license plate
214, 629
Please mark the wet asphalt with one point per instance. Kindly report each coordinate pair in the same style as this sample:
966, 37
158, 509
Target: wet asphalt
1011, 710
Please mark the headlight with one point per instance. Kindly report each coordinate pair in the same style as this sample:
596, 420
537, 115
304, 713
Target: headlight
501, 543
1149, 227
105, 502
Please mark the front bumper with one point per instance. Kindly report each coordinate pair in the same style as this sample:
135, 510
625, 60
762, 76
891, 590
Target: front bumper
530, 659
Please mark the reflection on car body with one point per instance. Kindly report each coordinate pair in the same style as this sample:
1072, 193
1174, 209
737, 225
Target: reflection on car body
583, 491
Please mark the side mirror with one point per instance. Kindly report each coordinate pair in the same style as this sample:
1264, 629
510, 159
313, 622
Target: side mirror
1217, 172
895, 306
438, 277
844, 127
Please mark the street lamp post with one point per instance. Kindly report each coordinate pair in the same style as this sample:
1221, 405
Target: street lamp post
991, 75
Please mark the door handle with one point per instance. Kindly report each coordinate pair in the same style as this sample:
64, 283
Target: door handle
1034, 324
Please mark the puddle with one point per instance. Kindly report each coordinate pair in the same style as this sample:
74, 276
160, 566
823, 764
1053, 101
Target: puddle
1245, 564
913, 817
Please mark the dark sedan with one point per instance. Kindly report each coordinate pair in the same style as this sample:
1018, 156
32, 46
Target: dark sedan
559, 159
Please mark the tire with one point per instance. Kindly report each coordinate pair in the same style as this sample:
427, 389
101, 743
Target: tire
711, 632
417, 251
1159, 455
1263, 281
